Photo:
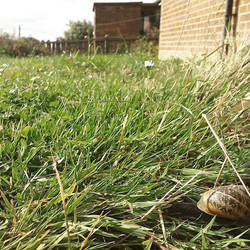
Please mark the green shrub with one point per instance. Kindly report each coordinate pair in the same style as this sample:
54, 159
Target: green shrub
25, 46
6, 45
29, 46
145, 46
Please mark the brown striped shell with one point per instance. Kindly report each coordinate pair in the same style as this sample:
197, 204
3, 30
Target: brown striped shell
231, 202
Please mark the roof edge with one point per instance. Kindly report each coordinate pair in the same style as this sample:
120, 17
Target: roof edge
126, 3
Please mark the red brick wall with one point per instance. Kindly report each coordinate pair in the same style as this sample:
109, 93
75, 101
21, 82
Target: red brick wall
196, 26
117, 20
243, 23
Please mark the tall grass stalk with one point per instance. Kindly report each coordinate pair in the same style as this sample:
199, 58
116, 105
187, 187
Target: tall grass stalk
226, 153
63, 201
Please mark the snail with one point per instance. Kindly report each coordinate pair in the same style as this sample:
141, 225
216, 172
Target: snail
230, 202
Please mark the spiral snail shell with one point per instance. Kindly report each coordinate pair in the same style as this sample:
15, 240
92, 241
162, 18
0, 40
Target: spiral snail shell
231, 202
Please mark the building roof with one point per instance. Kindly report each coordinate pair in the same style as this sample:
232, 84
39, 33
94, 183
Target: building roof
118, 2
126, 2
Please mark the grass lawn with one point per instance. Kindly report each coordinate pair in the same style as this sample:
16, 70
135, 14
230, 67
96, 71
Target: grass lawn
100, 152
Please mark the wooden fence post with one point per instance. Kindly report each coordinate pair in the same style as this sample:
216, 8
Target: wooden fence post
69, 45
106, 44
48, 44
63, 45
58, 49
53, 47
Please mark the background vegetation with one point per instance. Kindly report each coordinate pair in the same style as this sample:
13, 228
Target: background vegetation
24, 46
79, 30
100, 152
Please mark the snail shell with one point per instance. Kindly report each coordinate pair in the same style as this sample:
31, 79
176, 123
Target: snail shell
231, 202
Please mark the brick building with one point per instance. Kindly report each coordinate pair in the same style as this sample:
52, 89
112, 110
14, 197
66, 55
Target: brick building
197, 26
125, 19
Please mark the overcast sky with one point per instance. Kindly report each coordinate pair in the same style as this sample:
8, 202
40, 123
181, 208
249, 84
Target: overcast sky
45, 19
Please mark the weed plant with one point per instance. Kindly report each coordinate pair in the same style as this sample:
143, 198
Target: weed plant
99, 152
145, 46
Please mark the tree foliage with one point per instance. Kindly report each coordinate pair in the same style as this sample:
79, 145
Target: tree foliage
24, 46
79, 30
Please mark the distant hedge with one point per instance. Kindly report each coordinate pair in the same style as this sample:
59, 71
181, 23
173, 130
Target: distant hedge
24, 46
